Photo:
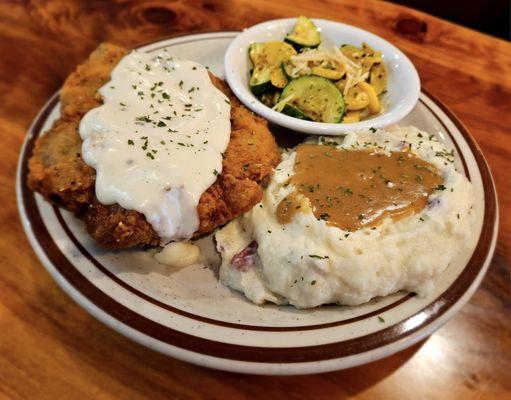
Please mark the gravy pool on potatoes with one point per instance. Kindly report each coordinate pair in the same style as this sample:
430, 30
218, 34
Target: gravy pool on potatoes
355, 189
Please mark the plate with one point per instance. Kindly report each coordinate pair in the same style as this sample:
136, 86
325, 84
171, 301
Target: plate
189, 315
403, 86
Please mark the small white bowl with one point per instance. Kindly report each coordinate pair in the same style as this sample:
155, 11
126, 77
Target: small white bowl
403, 86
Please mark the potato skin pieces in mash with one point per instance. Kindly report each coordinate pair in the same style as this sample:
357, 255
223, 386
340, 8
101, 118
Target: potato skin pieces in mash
57, 171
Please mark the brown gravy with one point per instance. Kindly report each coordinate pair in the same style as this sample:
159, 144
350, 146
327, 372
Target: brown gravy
355, 189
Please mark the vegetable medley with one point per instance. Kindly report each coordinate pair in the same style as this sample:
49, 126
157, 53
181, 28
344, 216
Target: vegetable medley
299, 79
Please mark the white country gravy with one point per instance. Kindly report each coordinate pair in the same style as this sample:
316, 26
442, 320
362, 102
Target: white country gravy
156, 143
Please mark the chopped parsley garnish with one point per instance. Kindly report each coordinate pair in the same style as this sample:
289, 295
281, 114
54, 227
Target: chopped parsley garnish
445, 153
372, 129
215, 172
318, 257
324, 216
380, 319
131, 142
328, 142
150, 155
144, 118
440, 187
313, 283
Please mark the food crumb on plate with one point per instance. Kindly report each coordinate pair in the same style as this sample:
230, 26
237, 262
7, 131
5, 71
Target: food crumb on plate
179, 254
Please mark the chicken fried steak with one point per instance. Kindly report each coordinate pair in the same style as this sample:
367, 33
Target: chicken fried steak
57, 171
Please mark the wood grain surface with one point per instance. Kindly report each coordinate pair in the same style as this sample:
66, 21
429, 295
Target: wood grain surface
52, 349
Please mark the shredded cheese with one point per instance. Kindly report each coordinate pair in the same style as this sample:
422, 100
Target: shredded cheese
302, 64
280, 105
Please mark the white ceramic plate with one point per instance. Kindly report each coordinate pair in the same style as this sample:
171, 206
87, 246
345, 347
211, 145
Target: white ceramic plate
403, 86
187, 314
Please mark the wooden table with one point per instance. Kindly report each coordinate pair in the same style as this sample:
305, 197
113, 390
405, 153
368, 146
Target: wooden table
52, 349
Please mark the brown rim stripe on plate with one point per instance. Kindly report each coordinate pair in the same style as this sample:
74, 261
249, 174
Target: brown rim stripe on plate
257, 354
212, 321
458, 150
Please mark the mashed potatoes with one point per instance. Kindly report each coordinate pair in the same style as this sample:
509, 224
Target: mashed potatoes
308, 262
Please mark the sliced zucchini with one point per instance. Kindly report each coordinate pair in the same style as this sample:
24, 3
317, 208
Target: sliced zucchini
366, 55
294, 112
278, 78
270, 98
341, 84
352, 52
367, 50
305, 34
287, 67
351, 117
356, 98
374, 102
368, 62
317, 97
260, 87
260, 80
378, 77
333, 74
267, 57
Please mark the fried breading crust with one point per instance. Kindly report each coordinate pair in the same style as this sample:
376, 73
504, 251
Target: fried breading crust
57, 171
